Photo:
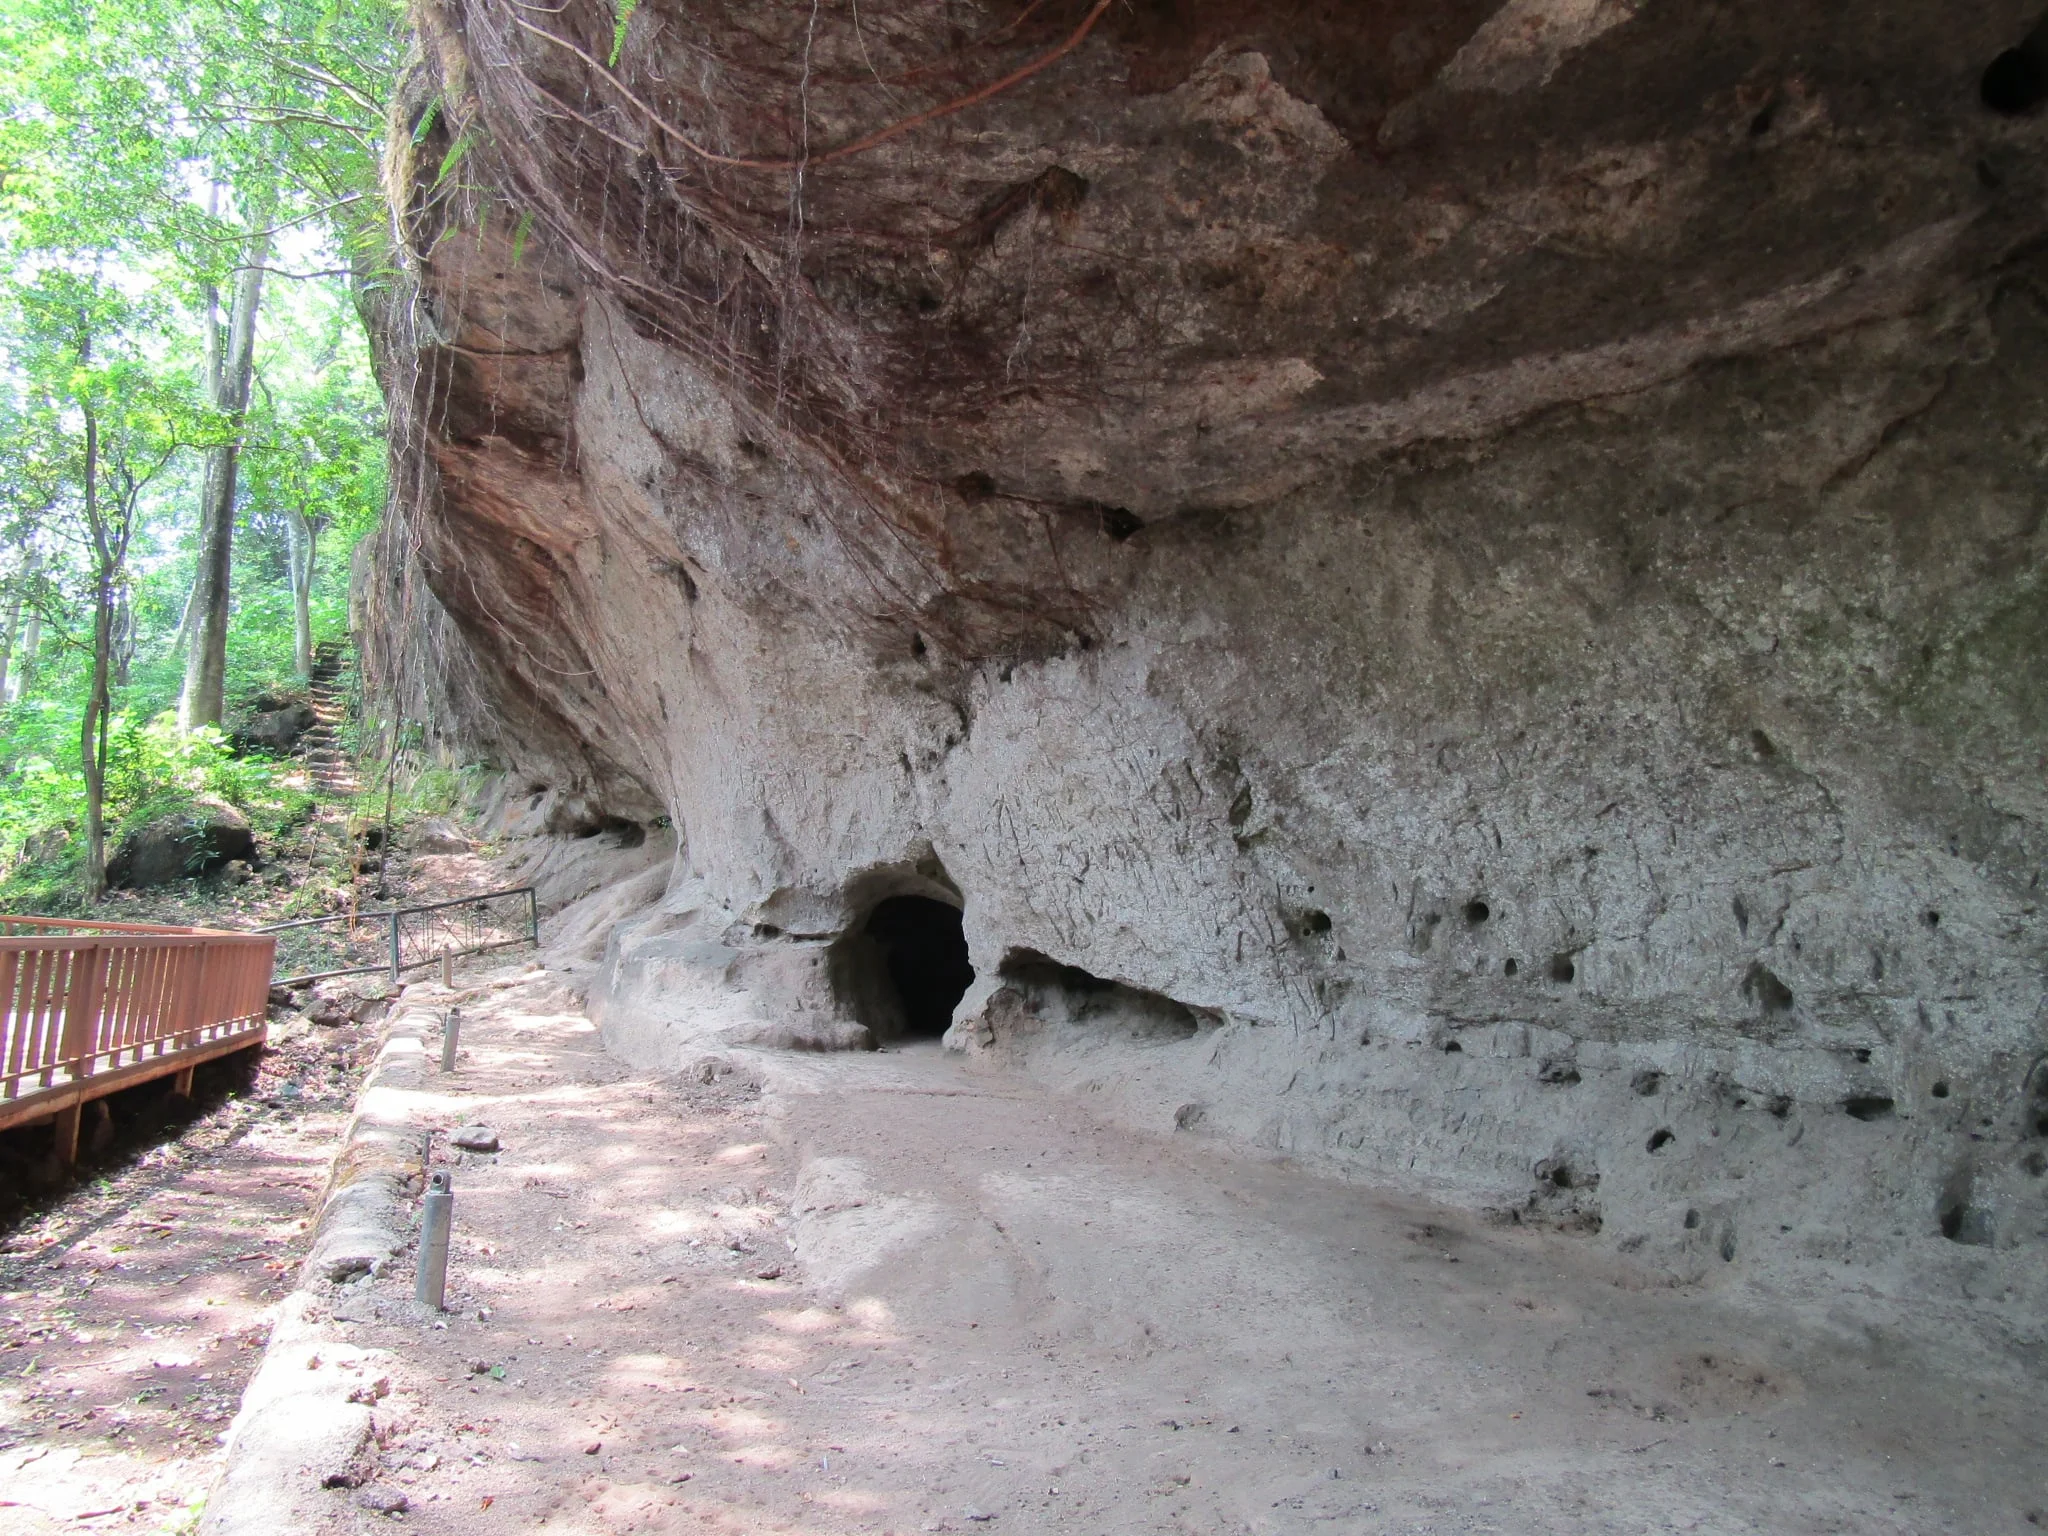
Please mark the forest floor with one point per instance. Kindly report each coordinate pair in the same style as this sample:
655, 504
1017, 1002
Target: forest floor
136, 1298
898, 1293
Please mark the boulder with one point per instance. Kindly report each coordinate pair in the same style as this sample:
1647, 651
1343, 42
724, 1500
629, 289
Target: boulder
197, 840
44, 846
275, 730
437, 834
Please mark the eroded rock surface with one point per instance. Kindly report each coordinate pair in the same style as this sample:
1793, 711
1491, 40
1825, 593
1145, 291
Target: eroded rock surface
1450, 590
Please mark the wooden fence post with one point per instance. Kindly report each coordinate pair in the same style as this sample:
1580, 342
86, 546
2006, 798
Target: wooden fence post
82, 1008
80, 1041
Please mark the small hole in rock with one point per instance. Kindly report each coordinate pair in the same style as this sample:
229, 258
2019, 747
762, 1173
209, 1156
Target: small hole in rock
1562, 969
1510, 967
1728, 1246
1313, 922
1477, 912
2036, 1163
1452, 1048
1647, 1081
917, 645
2017, 80
1862, 1054
1761, 123
1872, 1106
1761, 983
1659, 1140
1120, 523
1931, 918
975, 485
1762, 744
1692, 1221
1556, 1175
1940, 1089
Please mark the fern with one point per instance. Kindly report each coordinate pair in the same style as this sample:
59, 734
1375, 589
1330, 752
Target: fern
626, 9
456, 151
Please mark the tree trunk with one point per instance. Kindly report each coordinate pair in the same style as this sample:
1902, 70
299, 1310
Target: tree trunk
31, 649
92, 733
303, 536
10, 624
205, 696
18, 663
124, 637
184, 635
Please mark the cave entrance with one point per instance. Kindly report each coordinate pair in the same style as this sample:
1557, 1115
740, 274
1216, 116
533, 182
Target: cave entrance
924, 957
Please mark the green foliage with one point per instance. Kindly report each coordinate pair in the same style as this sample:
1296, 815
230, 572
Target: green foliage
150, 150
153, 770
625, 17
438, 789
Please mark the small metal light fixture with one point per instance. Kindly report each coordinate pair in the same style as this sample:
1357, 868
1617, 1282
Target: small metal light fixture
451, 1037
437, 1215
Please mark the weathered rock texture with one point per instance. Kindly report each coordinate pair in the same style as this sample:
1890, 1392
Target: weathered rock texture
1453, 588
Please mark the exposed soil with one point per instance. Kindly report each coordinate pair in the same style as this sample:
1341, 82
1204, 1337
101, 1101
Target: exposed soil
136, 1297
894, 1293
135, 1304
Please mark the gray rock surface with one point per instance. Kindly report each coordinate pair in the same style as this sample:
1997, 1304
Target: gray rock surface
437, 834
1454, 593
276, 730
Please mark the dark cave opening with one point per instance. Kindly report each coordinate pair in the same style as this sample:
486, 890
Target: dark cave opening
2016, 82
924, 955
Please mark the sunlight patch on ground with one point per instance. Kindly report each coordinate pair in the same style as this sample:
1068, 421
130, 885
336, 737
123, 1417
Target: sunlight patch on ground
854, 1501
809, 1320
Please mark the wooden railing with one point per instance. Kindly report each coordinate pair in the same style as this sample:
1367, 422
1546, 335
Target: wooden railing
86, 1008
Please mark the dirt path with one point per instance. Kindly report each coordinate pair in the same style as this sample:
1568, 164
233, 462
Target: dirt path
134, 1309
889, 1293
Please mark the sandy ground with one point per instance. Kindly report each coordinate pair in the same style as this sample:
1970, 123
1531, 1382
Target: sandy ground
134, 1309
893, 1293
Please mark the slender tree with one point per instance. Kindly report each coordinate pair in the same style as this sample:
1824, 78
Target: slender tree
10, 619
231, 370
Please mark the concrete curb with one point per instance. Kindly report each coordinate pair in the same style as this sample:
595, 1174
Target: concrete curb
307, 1417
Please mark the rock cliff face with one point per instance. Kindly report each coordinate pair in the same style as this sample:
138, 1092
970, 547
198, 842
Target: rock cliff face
1452, 589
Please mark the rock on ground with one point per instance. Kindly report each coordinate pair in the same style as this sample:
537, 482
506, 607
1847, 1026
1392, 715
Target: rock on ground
198, 840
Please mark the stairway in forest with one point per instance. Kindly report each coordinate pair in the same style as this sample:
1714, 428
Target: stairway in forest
332, 768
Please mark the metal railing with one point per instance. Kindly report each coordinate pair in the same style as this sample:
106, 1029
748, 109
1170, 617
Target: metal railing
86, 1007
399, 939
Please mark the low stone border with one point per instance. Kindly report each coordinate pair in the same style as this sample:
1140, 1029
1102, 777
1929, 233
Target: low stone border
307, 1416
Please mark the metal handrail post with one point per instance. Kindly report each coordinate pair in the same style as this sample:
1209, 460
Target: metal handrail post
394, 946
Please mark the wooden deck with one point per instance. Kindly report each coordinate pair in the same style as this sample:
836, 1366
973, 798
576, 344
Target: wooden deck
87, 1009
